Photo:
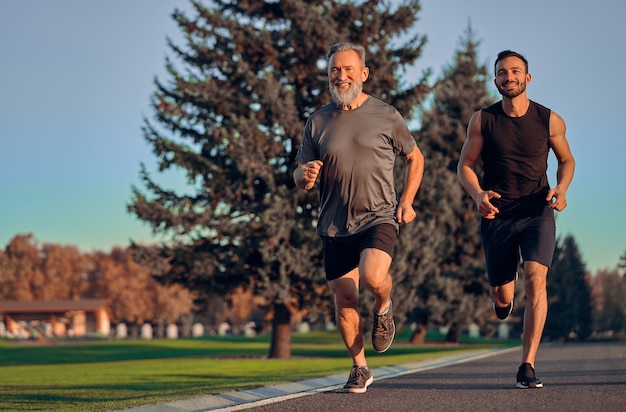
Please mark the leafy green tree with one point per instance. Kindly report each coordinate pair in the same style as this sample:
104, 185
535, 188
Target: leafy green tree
230, 120
443, 247
570, 313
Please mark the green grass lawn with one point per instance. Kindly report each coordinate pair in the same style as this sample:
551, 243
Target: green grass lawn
113, 375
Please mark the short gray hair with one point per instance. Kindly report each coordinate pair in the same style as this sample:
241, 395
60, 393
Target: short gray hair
346, 46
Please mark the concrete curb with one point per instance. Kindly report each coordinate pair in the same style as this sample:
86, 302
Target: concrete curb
234, 401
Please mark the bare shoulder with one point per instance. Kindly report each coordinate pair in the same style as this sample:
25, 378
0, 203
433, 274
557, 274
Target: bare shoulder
558, 141
473, 144
474, 125
557, 124
476, 116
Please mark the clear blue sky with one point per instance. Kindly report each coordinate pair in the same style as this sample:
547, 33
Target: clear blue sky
76, 79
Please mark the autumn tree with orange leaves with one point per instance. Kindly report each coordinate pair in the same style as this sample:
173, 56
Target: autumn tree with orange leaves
30, 271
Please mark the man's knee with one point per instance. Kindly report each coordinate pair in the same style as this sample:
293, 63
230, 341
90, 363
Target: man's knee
374, 267
378, 281
503, 294
535, 277
346, 300
345, 291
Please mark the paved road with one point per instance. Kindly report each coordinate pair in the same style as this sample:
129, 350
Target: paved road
576, 377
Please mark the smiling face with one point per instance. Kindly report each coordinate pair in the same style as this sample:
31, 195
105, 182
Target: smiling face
511, 77
346, 74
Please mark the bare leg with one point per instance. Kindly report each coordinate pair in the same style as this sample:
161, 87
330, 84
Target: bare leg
374, 269
374, 264
535, 281
346, 292
502, 295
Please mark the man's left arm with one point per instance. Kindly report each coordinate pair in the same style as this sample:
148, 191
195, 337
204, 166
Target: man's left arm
413, 178
566, 163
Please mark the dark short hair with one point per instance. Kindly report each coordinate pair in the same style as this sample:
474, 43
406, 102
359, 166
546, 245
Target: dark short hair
346, 46
509, 53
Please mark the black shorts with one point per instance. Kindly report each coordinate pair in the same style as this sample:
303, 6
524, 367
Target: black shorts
532, 235
342, 254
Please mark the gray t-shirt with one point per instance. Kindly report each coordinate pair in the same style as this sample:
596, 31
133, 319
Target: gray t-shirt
358, 148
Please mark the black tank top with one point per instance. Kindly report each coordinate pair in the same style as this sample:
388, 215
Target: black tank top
515, 157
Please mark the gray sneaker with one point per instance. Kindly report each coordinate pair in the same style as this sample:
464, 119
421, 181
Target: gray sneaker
358, 381
384, 330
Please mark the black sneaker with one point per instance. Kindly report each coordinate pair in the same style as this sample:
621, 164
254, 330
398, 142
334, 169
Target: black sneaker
384, 330
358, 381
503, 313
526, 377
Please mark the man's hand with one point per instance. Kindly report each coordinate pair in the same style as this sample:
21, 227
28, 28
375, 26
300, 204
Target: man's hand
483, 202
556, 199
310, 172
405, 213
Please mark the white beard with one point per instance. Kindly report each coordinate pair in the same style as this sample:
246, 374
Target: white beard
347, 97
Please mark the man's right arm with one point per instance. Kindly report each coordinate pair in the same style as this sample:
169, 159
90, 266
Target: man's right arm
470, 153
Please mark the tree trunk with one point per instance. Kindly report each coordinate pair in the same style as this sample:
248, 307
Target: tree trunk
280, 347
419, 335
453, 334
161, 328
186, 324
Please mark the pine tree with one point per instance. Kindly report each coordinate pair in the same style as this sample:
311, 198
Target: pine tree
622, 263
570, 313
231, 120
444, 245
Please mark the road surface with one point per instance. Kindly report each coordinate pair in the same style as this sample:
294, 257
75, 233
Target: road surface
576, 377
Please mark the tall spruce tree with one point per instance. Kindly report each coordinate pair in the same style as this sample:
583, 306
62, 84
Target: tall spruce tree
231, 120
621, 265
570, 312
443, 247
